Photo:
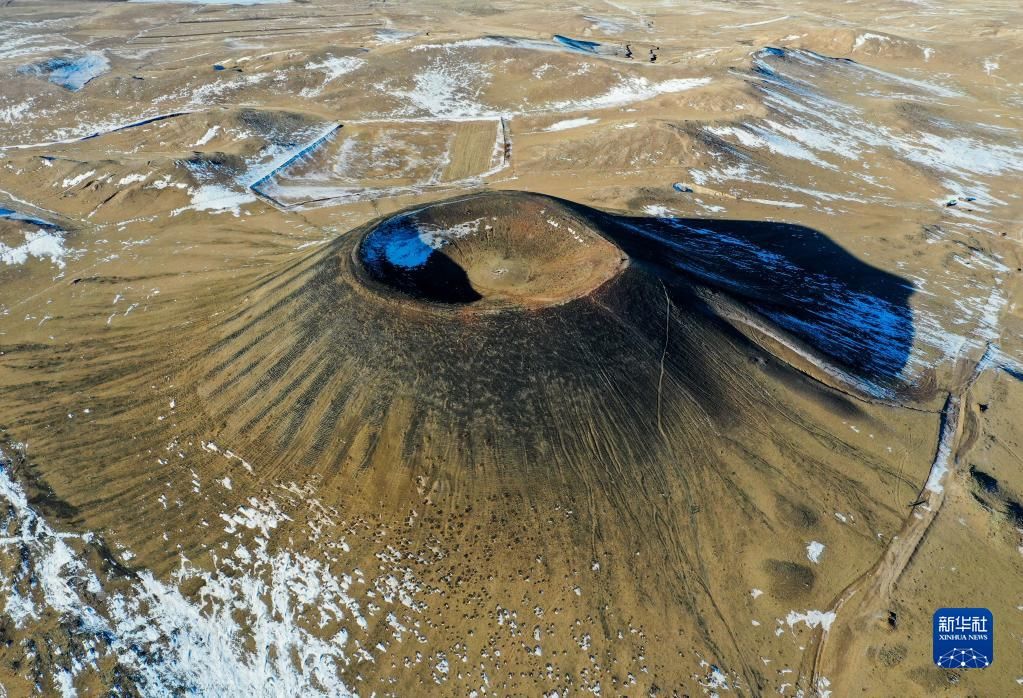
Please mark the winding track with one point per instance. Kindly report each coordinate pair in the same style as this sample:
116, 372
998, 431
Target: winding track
865, 602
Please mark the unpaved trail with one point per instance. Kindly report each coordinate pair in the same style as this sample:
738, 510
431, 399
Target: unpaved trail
862, 607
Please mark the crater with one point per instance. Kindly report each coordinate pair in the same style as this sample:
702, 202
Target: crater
491, 251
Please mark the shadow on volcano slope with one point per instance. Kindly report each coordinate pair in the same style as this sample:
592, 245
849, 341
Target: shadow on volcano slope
854, 313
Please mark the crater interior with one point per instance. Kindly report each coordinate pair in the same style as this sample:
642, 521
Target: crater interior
489, 251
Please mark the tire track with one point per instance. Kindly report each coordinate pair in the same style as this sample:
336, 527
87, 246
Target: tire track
866, 600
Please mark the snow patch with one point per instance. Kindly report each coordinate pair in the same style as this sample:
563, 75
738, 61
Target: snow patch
208, 136
217, 198
943, 457
40, 244
812, 619
71, 72
571, 123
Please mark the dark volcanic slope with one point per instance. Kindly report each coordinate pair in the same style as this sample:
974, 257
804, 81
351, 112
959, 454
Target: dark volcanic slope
549, 389
319, 360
